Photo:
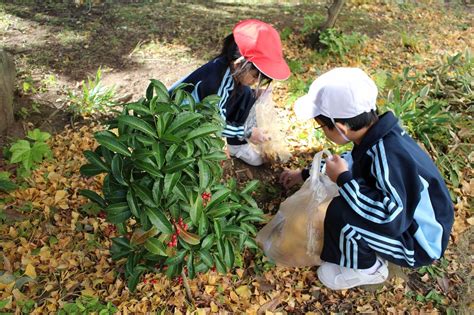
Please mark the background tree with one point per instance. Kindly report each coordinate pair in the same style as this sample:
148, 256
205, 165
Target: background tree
333, 11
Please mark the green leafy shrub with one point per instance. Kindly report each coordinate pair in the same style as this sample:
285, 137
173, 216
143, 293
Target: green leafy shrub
6, 185
94, 98
311, 22
339, 44
27, 153
434, 106
87, 305
163, 191
410, 42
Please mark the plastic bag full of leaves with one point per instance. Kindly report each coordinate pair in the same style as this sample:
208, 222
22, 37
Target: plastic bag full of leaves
294, 237
265, 116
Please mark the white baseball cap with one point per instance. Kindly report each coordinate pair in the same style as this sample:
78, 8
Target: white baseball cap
338, 93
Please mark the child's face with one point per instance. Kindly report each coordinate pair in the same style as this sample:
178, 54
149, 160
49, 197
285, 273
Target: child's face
245, 74
248, 78
332, 134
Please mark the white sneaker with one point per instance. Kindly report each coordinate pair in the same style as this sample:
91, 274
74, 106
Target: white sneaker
336, 277
246, 153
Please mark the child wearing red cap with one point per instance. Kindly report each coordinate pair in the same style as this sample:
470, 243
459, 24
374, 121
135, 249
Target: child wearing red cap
252, 54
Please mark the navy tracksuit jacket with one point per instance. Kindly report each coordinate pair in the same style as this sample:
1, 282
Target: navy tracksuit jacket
215, 77
393, 203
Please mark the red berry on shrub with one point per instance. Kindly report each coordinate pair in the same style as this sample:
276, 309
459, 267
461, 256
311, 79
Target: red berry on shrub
102, 214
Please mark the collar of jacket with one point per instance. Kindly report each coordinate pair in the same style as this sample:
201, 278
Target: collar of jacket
382, 127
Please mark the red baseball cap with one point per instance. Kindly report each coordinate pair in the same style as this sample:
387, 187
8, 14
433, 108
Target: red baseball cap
260, 44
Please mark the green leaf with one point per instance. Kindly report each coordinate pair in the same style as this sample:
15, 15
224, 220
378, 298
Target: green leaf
38, 135
208, 241
203, 225
190, 265
155, 246
139, 108
250, 243
204, 175
118, 212
7, 185
175, 166
133, 279
250, 187
95, 159
232, 229
138, 124
146, 140
218, 197
158, 219
144, 194
40, 150
196, 210
180, 191
215, 156
252, 218
204, 130
113, 144
117, 166
89, 170
219, 264
20, 151
221, 210
183, 120
218, 228
171, 179
178, 258
132, 203
170, 138
147, 165
171, 152
93, 196
161, 90
159, 154
249, 200
206, 258
156, 191
229, 257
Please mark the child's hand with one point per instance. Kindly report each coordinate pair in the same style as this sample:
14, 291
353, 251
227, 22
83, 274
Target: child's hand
335, 165
258, 136
289, 178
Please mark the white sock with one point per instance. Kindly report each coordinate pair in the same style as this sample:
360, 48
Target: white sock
372, 269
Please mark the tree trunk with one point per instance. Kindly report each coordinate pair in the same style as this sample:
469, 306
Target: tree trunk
333, 11
7, 84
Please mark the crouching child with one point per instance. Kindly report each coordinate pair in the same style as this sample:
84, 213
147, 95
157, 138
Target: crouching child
393, 203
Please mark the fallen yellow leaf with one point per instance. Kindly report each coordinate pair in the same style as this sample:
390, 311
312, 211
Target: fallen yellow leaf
214, 307
60, 195
244, 292
30, 271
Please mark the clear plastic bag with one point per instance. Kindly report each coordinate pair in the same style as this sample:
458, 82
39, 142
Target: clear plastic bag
265, 116
294, 237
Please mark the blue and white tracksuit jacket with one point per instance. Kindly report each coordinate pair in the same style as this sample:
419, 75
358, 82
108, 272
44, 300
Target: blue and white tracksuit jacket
215, 77
393, 203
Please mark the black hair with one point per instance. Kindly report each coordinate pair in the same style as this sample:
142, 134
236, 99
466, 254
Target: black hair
355, 123
230, 52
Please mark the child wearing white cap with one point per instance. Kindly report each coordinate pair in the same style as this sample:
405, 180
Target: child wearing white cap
393, 203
